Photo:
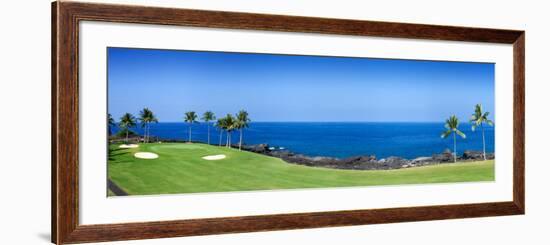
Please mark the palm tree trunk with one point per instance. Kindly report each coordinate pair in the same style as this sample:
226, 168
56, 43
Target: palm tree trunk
208, 126
189, 133
229, 140
148, 132
483, 137
126, 135
145, 134
221, 134
240, 139
454, 138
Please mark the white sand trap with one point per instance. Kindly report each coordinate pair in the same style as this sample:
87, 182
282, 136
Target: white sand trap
214, 157
125, 146
146, 155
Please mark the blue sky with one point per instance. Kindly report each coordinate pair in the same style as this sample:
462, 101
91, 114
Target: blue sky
295, 88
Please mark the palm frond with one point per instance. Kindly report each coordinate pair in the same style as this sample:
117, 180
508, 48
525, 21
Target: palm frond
242, 119
230, 121
208, 116
127, 121
110, 120
445, 134
460, 133
478, 109
190, 117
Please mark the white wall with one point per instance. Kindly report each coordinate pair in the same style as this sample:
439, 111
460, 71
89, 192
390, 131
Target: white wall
25, 108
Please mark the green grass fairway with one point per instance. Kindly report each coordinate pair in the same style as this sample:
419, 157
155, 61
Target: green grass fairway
181, 169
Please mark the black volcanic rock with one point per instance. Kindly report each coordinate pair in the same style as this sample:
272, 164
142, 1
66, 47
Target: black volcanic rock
443, 157
393, 162
366, 162
280, 154
260, 148
476, 155
472, 155
359, 160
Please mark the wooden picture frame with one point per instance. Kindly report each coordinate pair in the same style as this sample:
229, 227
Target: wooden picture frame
65, 121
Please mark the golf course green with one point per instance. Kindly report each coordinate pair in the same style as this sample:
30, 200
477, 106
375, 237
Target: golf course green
180, 168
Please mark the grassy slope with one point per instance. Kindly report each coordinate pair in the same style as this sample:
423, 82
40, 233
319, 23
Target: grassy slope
180, 169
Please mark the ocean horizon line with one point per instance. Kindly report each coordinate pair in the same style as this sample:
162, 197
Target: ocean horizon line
335, 139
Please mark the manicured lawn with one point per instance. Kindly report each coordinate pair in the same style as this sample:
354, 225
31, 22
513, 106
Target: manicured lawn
181, 169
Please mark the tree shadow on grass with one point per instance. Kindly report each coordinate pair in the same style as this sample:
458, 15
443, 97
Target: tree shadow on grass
115, 152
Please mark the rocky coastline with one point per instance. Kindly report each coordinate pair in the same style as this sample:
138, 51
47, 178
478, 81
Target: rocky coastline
369, 162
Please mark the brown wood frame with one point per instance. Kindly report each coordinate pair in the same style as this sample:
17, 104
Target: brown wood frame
65, 135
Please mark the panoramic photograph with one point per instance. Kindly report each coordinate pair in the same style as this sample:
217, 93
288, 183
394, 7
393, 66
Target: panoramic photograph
183, 121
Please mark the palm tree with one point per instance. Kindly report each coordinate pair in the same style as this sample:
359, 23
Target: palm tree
190, 117
146, 117
452, 127
229, 127
220, 124
126, 122
152, 119
207, 117
241, 122
110, 123
478, 118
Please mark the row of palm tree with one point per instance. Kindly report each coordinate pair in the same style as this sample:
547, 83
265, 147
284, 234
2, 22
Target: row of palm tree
127, 121
227, 124
146, 117
478, 119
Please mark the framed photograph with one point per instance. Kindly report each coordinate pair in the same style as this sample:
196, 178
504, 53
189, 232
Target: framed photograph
175, 122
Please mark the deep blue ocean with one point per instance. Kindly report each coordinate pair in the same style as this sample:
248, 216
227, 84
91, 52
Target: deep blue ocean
340, 139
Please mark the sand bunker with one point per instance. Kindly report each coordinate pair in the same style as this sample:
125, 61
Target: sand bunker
214, 157
146, 155
125, 146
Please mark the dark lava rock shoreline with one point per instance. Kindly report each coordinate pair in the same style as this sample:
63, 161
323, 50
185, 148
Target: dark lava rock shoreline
369, 162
